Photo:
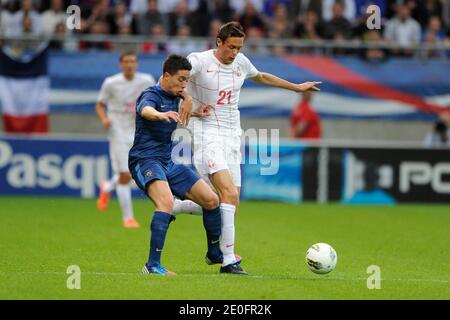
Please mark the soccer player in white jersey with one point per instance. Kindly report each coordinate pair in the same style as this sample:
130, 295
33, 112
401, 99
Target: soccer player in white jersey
116, 110
217, 76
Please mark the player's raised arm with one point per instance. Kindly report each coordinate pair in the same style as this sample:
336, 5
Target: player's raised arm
150, 113
274, 81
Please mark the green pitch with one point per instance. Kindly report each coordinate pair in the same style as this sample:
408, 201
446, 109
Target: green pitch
41, 237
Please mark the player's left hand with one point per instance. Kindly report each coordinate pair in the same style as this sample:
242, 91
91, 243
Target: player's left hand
309, 86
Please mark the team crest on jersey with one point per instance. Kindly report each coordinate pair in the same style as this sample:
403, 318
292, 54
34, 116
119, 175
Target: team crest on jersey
211, 164
238, 72
148, 173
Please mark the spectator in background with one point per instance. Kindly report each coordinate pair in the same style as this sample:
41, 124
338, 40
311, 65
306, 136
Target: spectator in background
203, 18
423, 10
150, 46
150, 18
214, 27
305, 122
54, 16
446, 14
348, 9
63, 43
439, 137
120, 18
184, 45
222, 11
434, 32
375, 53
98, 18
239, 5
279, 26
433, 35
254, 46
309, 28
251, 18
26, 17
300, 8
338, 26
5, 18
403, 31
164, 6
181, 17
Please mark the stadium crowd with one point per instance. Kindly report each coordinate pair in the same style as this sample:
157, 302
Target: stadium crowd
406, 23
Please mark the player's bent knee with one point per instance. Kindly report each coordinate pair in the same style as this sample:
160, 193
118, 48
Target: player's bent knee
211, 201
229, 195
124, 178
164, 206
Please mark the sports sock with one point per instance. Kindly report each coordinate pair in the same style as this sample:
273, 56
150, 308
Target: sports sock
186, 206
227, 212
158, 229
124, 195
111, 183
212, 223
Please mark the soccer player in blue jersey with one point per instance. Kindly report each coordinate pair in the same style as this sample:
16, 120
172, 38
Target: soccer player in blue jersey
158, 110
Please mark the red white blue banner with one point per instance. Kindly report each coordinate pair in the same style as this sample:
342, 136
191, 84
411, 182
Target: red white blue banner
24, 91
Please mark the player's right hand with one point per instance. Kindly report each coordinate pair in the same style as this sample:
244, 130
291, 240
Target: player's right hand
170, 116
203, 111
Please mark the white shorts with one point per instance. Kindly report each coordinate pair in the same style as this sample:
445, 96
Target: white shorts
214, 154
120, 143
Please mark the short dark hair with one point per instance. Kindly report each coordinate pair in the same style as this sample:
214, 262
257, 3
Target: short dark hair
127, 53
174, 63
230, 29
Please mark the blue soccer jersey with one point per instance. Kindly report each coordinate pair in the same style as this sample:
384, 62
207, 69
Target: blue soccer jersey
152, 139
150, 157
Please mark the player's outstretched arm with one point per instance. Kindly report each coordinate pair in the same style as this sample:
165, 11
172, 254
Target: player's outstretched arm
152, 114
274, 81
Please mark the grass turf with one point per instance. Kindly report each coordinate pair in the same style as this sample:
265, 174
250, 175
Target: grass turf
41, 237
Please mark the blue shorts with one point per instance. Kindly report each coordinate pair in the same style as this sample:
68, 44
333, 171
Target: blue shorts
180, 178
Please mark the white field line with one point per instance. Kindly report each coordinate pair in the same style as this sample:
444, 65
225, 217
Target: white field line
280, 277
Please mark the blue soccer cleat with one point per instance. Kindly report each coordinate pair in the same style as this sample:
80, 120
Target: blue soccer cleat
219, 260
158, 269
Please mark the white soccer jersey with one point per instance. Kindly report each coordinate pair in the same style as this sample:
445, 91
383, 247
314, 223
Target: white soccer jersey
219, 85
120, 94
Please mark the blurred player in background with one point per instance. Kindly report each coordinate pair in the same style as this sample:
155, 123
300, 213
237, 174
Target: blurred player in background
439, 137
116, 111
305, 122
217, 76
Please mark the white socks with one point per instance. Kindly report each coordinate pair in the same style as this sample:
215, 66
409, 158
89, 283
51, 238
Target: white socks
111, 184
124, 195
227, 212
186, 206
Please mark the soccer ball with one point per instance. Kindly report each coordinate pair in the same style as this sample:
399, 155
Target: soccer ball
321, 258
